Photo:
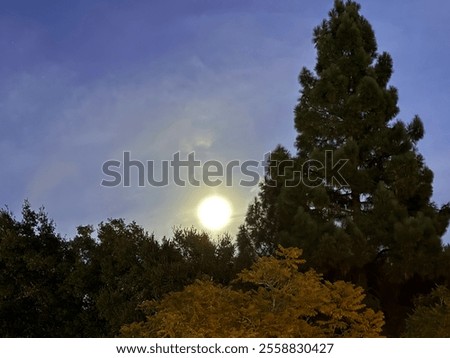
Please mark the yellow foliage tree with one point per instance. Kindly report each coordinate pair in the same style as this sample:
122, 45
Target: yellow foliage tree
282, 302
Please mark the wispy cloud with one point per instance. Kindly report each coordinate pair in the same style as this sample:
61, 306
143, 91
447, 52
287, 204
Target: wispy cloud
220, 82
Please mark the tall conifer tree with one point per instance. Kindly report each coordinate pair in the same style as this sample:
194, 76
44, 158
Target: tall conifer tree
357, 194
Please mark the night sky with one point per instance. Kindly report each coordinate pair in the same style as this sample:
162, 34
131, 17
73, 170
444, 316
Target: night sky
84, 81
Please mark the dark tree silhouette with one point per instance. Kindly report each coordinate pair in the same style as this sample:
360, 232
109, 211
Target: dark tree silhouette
357, 194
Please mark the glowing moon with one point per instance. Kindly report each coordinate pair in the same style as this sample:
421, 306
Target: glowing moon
214, 212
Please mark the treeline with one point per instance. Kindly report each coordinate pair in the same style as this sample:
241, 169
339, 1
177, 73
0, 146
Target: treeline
120, 280
112, 281
91, 285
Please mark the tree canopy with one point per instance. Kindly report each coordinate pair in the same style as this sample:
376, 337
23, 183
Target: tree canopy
280, 302
91, 285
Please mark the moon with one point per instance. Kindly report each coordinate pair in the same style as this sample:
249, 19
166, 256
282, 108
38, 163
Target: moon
214, 212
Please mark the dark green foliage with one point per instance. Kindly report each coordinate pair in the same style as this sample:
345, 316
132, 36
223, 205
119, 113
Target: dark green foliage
83, 282
431, 317
92, 285
129, 266
33, 302
378, 226
124, 257
204, 258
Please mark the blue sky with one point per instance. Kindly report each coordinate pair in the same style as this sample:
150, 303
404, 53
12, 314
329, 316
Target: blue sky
83, 81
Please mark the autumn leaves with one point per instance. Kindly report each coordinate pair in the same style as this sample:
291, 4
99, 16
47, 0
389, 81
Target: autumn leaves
271, 299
